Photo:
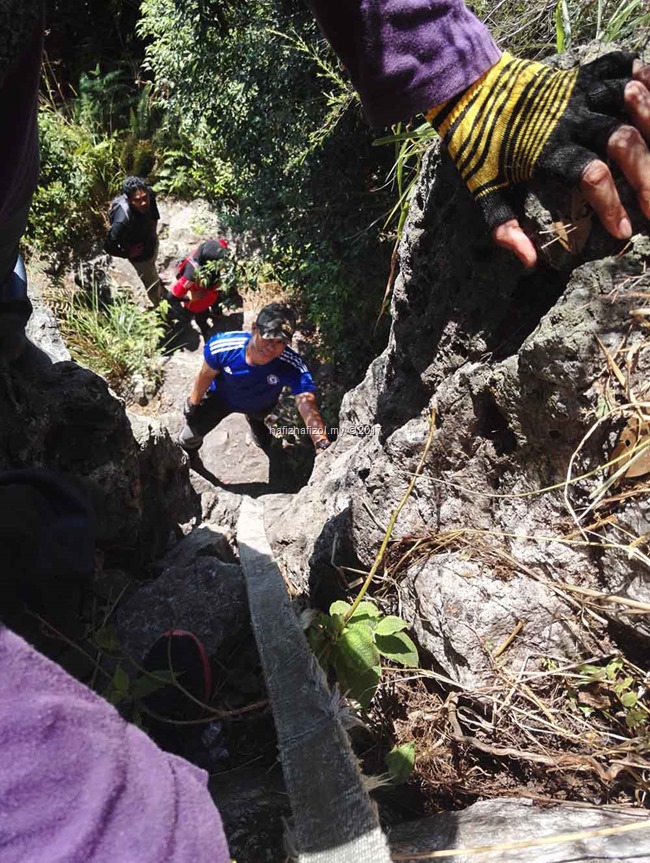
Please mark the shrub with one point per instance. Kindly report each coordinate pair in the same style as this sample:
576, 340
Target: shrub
118, 340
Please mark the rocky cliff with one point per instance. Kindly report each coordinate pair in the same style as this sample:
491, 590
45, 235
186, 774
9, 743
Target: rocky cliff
530, 377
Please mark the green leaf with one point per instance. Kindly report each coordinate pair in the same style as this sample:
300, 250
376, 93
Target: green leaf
635, 717
106, 639
613, 668
339, 607
389, 625
357, 648
400, 762
144, 685
628, 699
121, 680
593, 672
399, 648
357, 683
365, 611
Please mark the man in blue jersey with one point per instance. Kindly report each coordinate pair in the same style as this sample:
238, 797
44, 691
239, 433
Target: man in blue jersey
245, 373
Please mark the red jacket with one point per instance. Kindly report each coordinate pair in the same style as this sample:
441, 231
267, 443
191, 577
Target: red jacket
200, 299
196, 297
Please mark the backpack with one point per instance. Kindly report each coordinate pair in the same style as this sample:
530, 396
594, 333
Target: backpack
190, 259
119, 204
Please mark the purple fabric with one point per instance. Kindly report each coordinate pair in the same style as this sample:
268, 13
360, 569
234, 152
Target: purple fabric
80, 785
405, 56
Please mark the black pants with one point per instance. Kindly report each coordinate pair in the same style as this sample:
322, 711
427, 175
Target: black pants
209, 414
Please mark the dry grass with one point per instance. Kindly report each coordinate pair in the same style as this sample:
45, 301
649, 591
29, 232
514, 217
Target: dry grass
550, 728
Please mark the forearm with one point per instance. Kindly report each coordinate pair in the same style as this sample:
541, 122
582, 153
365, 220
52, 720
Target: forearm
308, 408
404, 56
113, 246
201, 383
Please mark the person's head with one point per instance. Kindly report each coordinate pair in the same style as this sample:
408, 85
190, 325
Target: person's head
272, 332
137, 193
211, 250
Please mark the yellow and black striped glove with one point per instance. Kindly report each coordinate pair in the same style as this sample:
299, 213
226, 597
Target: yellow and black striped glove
522, 119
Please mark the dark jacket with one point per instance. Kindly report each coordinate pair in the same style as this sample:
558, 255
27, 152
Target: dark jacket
130, 229
21, 32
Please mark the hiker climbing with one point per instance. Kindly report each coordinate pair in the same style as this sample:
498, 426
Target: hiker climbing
246, 373
197, 288
134, 218
503, 120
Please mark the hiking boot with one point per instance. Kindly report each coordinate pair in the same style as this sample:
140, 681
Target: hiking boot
189, 440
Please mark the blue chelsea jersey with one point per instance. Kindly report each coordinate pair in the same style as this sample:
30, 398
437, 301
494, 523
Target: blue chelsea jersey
247, 388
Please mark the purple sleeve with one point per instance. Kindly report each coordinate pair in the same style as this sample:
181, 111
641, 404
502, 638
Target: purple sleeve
82, 785
405, 56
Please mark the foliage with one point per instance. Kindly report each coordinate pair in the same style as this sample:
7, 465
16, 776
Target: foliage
606, 21
225, 273
273, 136
351, 643
77, 169
615, 691
129, 693
118, 340
400, 762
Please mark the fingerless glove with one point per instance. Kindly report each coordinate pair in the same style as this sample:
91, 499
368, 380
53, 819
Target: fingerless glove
521, 118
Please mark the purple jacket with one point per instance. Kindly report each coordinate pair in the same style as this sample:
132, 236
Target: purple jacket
80, 785
405, 56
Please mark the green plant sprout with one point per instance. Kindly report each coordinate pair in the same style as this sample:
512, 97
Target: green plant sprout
353, 642
613, 690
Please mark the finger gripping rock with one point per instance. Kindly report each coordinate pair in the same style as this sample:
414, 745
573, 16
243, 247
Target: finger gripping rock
521, 118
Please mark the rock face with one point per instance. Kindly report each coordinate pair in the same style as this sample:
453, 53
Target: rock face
207, 597
61, 416
492, 822
524, 397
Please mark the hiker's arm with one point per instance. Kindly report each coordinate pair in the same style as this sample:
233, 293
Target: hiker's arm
182, 287
308, 407
113, 243
201, 383
503, 120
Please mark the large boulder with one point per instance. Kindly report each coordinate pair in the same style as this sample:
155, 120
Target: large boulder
522, 371
61, 416
206, 597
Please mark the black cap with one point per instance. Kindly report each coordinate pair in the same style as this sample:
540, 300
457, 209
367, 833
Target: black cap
276, 321
211, 250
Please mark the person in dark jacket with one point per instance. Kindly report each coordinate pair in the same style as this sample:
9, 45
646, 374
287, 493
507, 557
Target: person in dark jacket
134, 219
21, 39
196, 289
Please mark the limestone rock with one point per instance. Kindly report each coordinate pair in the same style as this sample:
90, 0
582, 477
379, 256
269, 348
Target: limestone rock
206, 597
490, 822
509, 362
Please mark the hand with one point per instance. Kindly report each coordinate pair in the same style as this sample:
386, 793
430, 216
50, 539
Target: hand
321, 445
135, 250
189, 409
556, 124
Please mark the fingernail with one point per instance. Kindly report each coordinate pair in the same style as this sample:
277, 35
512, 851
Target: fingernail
625, 228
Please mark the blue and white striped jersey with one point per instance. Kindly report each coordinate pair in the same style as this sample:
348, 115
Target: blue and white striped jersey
247, 388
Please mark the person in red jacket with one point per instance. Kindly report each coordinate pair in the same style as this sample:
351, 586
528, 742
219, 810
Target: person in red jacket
197, 286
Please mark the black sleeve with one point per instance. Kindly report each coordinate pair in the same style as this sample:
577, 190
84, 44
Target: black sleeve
155, 215
113, 244
188, 271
